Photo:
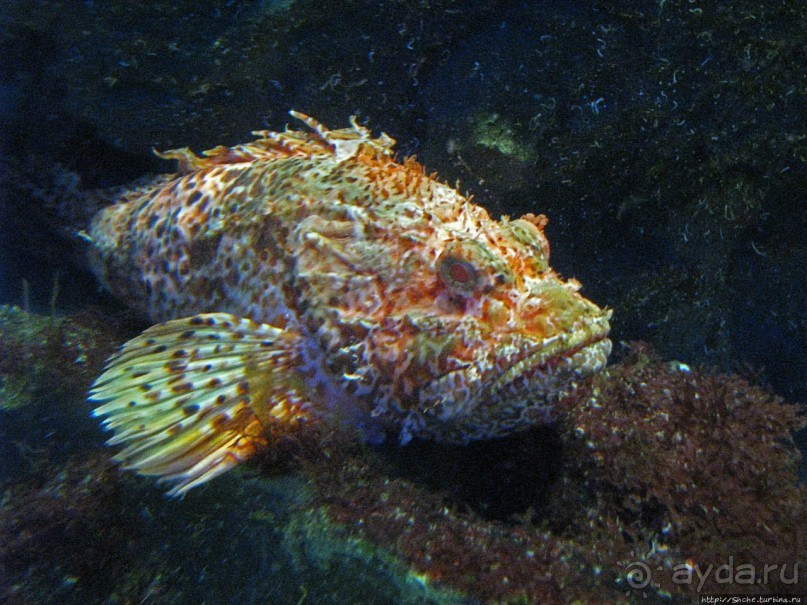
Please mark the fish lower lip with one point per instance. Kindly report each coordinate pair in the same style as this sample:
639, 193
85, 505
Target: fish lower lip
590, 345
585, 352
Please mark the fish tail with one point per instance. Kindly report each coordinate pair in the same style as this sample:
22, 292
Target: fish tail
191, 398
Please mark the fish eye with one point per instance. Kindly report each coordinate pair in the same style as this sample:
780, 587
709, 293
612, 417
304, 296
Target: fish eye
458, 274
468, 267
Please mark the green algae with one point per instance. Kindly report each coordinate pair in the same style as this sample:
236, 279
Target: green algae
45, 356
22, 371
493, 131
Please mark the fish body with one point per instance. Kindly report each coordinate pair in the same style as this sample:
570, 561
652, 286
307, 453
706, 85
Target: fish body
308, 276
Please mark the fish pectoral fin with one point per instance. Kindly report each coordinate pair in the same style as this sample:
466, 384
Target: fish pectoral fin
191, 398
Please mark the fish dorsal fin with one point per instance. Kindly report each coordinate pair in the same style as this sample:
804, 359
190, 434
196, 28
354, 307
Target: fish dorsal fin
346, 142
343, 144
191, 398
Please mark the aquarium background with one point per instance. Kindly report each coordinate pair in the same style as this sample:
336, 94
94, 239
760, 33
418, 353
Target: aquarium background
665, 141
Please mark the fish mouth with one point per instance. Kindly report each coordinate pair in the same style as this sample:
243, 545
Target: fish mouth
546, 372
558, 359
465, 405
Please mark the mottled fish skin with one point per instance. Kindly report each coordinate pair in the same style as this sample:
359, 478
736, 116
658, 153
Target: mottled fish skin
383, 295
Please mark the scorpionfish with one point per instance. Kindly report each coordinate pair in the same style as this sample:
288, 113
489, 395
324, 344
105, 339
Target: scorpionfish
307, 276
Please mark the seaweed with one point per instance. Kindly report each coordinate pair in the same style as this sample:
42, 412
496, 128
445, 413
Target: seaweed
658, 479
662, 468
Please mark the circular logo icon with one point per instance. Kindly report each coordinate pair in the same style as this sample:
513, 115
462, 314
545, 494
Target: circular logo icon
637, 575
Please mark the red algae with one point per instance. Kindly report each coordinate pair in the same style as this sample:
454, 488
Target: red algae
450, 548
696, 469
652, 466
662, 468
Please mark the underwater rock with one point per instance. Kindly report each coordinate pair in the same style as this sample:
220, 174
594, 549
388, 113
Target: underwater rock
653, 464
659, 466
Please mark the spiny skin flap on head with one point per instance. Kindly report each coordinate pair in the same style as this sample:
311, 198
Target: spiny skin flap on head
191, 398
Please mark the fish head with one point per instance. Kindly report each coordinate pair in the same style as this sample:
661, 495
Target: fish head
498, 340
452, 324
